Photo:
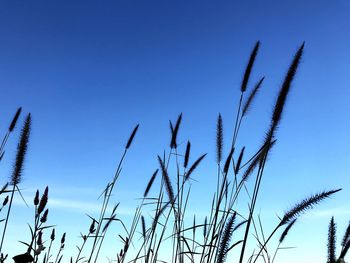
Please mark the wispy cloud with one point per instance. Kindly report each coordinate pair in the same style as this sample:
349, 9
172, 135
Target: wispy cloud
76, 206
338, 211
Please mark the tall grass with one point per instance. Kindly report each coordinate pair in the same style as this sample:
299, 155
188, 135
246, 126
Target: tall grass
160, 221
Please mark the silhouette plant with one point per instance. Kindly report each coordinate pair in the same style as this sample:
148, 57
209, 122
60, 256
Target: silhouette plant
223, 229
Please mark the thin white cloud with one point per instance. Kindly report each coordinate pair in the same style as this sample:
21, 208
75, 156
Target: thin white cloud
76, 206
338, 211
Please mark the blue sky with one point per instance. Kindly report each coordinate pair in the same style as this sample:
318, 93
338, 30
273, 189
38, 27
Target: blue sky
88, 71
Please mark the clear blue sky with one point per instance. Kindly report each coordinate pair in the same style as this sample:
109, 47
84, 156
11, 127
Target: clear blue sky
88, 71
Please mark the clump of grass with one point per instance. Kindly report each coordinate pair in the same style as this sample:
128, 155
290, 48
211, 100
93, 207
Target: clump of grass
166, 199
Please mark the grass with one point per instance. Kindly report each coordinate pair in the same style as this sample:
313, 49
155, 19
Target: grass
161, 218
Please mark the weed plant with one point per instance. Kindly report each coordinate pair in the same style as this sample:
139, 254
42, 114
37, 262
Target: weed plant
161, 217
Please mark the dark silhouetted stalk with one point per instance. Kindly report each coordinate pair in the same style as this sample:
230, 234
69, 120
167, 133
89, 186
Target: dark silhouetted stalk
18, 168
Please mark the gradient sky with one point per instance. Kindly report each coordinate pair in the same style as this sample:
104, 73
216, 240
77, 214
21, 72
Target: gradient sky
89, 71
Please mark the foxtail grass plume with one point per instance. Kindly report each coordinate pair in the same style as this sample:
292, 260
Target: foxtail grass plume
92, 228
131, 138
4, 203
43, 218
239, 161
219, 139
36, 198
194, 166
52, 236
228, 161
187, 154
331, 257
282, 96
168, 186
225, 239
205, 226
194, 226
15, 119
305, 205
21, 151
43, 201
63, 239
286, 230
143, 225
283, 93
249, 67
251, 97
150, 183
174, 132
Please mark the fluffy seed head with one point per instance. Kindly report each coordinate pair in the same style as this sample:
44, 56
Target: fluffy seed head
43, 218
219, 139
15, 119
52, 237
36, 198
21, 151
150, 183
187, 154
174, 132
305, 205
331, 241
167, 181
131, 138
43, 200
249, 67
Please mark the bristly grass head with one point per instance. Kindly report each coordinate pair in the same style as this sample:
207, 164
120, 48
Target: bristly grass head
194, 166
36, 198
331, 242
174, 132
228, 161
143, 225
131, 138
286, 230
21, 151
168, 186
305, 205
150, 183
225, 240
52, 236
15, 119
219, 139
282, 96
251, 97
43, 200
249, 67
187, 154
283, 93
239, 160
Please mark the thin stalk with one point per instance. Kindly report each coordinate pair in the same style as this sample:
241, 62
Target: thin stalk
255, 194
7, 217
105, 205
236, 122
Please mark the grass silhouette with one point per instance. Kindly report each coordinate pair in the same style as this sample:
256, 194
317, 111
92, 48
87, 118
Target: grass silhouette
204, 242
